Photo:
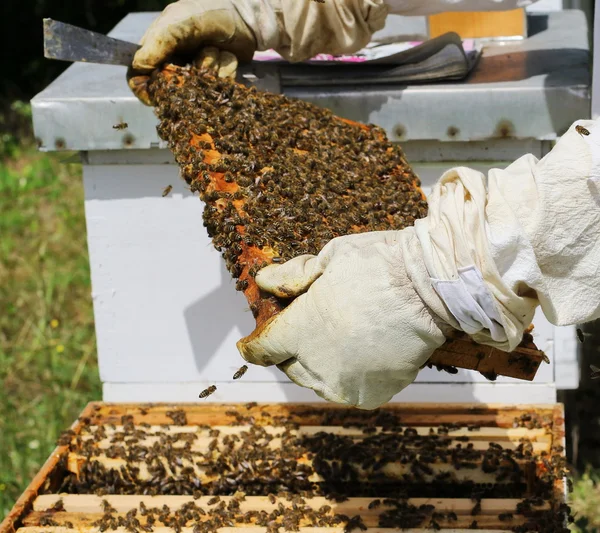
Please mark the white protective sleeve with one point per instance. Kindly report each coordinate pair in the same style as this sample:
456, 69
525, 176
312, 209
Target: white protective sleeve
527, 235
300, 29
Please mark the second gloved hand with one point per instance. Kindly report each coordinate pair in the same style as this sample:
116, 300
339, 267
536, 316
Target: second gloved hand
358, 333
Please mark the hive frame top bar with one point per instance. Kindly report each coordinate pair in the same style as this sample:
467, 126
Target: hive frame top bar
533, 89
495, 420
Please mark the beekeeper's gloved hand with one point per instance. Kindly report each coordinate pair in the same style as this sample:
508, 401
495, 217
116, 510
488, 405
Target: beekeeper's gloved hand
212, 31
297, 29
361, 332
373, 307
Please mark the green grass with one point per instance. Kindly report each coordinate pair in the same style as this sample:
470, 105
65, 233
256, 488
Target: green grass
48, 367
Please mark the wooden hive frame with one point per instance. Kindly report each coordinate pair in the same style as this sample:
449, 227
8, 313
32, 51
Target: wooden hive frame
42, 510
459, 351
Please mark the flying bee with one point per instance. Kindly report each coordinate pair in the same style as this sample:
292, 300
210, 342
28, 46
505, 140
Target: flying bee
240, 372
123, 126
167, 190
207, 392
595, 372
582, 131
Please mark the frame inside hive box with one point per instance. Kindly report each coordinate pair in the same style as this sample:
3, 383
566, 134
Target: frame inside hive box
312, 468
280, 177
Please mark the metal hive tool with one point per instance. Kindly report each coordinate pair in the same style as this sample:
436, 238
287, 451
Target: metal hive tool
281, 177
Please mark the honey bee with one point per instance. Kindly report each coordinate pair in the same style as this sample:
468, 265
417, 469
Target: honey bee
374, 504
595, 372
354, 523
121, 126
240, 372
582, 131
167, 190
207, 392
580, 335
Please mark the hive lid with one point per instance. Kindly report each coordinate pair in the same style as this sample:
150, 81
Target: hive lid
530, 89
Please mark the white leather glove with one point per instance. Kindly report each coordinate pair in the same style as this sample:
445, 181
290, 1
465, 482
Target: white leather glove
373, 307
194, 27
360, 333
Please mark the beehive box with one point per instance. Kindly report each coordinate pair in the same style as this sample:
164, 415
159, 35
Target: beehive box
312, 468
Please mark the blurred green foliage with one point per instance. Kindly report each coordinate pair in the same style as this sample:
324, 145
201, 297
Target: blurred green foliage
48, 366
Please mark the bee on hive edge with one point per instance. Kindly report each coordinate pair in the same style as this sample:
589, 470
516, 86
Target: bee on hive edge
240, 372
207, 392
167, 190
580, 335
582, 131
121, 126
374, 504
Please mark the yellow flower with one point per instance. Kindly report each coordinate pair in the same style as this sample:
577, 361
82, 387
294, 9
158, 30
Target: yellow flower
54, 323
60, 348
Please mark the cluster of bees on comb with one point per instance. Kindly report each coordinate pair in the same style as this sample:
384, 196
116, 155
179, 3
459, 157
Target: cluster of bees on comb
355, 470
280, 177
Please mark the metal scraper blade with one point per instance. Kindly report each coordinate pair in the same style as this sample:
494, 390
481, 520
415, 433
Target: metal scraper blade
70, 43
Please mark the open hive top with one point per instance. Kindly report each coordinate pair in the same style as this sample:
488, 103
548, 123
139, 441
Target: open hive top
281, 177
313, 468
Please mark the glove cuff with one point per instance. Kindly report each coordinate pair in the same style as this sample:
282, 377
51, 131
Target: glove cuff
455, 239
